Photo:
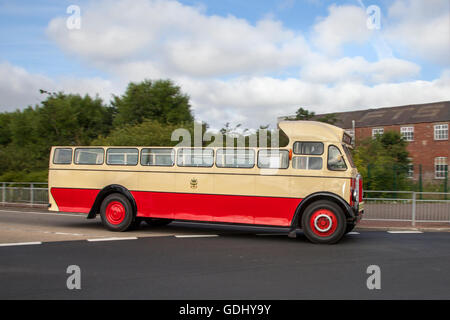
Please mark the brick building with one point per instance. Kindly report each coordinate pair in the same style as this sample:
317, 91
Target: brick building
424, 126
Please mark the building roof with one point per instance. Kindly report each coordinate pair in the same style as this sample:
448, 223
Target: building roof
409, 114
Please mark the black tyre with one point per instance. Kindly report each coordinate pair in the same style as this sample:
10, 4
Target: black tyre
324, 222
155, 222
117, 213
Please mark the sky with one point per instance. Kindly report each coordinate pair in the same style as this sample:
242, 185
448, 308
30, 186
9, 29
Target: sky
241, 62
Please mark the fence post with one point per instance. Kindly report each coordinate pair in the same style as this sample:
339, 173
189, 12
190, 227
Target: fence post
413, 218
445, 184
3, 193
420, 181
31, 193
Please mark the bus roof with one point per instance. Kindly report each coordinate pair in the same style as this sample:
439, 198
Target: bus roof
311, 131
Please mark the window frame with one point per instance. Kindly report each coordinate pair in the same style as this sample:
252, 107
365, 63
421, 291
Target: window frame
71, 156
116, 164
410, 169
159, 165
343, 159
374, 135
284, 150
435, 128
308, 154
193, 166
245, 149
407, 132
89, 164
435, 167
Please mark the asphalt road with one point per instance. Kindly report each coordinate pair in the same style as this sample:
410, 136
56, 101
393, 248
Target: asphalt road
189, 261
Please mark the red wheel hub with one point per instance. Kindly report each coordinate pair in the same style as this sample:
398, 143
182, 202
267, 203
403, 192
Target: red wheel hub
323, 222
115, 212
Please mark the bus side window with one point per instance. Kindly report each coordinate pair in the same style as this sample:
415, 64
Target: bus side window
273, 159
62, 156
195, 157
89, 155
336, 161
307, 163
235, 158
158, 157
122, 156
308, 148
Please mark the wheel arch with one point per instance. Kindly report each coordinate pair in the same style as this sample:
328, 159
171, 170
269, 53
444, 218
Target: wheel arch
297, 220
106, 191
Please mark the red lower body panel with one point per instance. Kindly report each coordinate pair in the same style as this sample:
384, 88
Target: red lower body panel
274, 211
74, 200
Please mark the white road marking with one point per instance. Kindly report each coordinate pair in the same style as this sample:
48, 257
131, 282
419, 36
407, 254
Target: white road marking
404, 231
18, 244
112, 239
66, 233
47, 213
353, 232
196, 235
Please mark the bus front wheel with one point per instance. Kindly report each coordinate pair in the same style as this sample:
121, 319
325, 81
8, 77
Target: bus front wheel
324, 222
116, 212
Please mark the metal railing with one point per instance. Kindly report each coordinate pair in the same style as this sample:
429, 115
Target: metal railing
406, 206
409, 206
27, 193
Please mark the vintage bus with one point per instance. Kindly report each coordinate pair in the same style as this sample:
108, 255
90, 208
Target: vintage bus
310, 184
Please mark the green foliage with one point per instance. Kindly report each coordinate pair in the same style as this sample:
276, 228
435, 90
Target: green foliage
72, 120
330, 118
159, 100
303, 114
23, 176
147, 133
26, 136
383, 162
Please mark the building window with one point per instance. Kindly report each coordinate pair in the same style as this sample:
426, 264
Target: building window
407, 133
377, 131
440, 167
410, 168
441, 132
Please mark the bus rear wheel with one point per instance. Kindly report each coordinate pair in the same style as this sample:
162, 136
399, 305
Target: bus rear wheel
324, 222
116, 212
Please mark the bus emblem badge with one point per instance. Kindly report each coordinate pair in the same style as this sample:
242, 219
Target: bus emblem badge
194, 183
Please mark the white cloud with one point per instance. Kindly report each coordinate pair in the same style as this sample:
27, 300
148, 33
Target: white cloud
224, 63
19, 88
344, 24
420, 28
360, 70
177, 38
260, 100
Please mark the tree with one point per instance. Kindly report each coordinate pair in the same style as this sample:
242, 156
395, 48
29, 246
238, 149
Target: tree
61, 119
383, 161
303, 114
330, 118
72, 120
158, 100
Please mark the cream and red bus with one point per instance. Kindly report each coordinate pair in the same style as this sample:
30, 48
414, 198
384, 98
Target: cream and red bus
310, 184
